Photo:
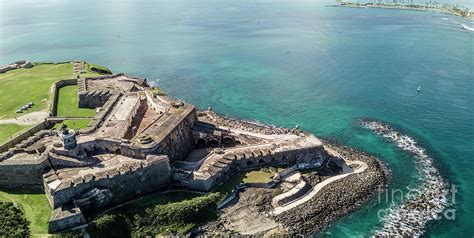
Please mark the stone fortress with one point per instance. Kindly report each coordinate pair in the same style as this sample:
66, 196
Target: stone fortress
139, 142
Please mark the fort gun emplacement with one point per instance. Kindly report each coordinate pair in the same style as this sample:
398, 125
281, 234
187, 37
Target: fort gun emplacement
139, 142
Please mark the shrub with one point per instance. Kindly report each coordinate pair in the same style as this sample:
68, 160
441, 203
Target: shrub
277, 191
110, 225
179, 217
68, 234
12, 221
259, 201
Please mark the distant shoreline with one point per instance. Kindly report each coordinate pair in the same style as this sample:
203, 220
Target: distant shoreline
448, 11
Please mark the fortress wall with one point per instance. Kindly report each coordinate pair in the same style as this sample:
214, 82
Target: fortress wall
137, 112
23, 136
22, 175
179, 142
16, 65
93, 99
65, 219
123, 182
253, 161
204, 185
55, 92
297, 191
101, 115
104, 144
140, 81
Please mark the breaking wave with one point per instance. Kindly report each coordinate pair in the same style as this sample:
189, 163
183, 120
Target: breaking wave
410, 217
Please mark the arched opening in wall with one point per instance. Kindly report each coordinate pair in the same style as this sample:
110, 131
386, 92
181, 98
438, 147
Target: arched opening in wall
200, 143
260, 161
118, 151
273, 160
249, 163
213, 143
228, 142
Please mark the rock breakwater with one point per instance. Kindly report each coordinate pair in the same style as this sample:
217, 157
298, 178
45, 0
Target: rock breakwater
429, 200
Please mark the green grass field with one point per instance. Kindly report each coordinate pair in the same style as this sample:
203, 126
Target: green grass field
20, 86
10, 130
74, 124
68, 102
257, 176
35, 206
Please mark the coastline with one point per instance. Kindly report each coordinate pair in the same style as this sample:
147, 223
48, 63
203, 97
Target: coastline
404, 7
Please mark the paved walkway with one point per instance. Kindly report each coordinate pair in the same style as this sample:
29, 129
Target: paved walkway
346, 172
28, 119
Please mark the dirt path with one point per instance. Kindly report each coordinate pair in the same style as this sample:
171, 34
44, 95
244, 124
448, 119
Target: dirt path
346, 172
243, 216
28, 119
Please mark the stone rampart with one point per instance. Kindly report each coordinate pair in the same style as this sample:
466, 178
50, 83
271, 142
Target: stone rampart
16, 65
63, 219
96, 97
25, 173
251, 159
297, 191
139, 80
101, 115
23, 136
93, 99
124, 182
178, 142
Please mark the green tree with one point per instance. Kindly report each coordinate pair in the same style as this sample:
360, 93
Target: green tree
110, 225
12, 221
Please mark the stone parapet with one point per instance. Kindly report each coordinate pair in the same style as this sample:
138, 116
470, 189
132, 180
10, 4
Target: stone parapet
63, 219
126, 178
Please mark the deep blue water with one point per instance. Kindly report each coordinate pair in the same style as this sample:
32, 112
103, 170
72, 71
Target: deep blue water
286, 63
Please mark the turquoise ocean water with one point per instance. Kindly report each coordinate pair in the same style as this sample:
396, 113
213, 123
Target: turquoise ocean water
286, 63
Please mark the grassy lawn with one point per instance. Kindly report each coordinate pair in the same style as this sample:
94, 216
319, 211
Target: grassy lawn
10, 130
139, 206
20, 86
17, 87
34, 205
257, 176
68, 102
74, 124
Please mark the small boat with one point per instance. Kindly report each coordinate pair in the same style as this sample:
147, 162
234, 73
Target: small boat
419, 89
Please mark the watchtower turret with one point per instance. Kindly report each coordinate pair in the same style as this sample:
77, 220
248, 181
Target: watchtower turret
68, 137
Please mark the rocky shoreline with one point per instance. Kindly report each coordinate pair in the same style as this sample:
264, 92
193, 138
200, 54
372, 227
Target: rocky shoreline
339, 198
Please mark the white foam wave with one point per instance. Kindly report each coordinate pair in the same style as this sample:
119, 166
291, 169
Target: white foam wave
410, 217
467, 27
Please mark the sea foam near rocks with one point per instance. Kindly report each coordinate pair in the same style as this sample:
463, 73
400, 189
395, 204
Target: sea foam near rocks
430, 199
